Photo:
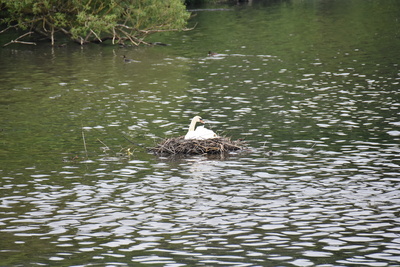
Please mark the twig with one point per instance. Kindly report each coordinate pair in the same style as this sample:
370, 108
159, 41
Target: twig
114, 34
9, 27
84, 143
103, 143
136, 144
264, 144
107, 147
52, 35
314, 145
98, 38
129, 37
20, 42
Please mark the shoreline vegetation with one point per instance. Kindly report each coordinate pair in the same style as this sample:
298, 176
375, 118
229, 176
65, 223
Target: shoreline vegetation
93, 21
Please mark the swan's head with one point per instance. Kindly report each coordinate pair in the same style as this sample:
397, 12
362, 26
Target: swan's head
198, 119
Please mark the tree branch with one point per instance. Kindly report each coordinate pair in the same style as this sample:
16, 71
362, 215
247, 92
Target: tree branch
129, 37
9, 27
17, 41
98, 38
89, 21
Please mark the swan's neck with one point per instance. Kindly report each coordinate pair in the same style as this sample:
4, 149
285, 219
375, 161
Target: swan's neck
192, 125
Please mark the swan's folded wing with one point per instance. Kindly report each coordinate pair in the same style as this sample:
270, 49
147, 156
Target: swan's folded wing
201, 133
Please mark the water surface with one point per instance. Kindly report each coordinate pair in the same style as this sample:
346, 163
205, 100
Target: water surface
313, 86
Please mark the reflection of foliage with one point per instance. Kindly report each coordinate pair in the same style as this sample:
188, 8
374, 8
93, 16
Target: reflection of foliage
199, 2
94, 20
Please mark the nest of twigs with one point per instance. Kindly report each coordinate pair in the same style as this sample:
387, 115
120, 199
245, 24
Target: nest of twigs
179, 145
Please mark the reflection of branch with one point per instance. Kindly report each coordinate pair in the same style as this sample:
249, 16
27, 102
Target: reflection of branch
17, 41
168, 30
154, 30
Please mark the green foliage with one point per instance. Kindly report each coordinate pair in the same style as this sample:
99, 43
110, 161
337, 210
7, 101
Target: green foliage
95, 20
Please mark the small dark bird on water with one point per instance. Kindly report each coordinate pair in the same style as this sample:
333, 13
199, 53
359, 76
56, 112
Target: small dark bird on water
127, 60
211, 54
159, 43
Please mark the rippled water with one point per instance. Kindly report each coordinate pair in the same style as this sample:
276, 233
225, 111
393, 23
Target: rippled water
317, 186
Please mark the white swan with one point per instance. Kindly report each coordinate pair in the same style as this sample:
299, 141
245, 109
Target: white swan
200, 133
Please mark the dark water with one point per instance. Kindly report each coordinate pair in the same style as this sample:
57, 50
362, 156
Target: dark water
313, 86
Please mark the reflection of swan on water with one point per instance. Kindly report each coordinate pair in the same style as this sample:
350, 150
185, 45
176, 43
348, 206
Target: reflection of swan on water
200, 132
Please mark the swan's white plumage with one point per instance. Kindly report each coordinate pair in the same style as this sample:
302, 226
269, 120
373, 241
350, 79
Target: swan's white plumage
200, 133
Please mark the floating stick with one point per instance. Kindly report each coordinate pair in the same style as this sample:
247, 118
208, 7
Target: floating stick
84, 143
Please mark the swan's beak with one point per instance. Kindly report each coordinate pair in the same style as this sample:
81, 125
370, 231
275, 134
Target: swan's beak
201, 120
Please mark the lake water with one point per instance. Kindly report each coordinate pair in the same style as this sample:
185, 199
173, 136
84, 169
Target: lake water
313, 87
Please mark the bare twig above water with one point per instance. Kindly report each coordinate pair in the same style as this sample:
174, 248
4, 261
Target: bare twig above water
84, 143
17, 41
105, 148
130, 141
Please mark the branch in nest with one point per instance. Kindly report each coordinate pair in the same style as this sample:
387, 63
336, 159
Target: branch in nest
179, 145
